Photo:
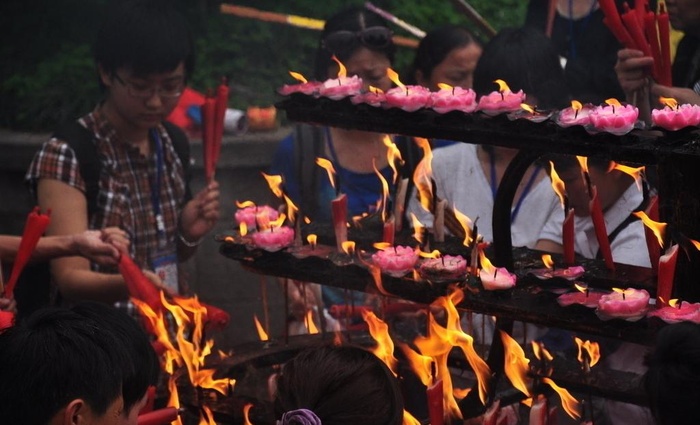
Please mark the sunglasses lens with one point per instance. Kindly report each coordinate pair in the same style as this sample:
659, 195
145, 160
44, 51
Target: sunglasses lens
376, 37
339, 41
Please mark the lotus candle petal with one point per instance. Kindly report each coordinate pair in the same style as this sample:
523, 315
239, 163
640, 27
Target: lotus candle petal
249, 215
450, 98
576, 114
309, 88
682, 312
448, 266
408, 98
372, 98
498, 278
614, 118
568, 273
396, 261
630, 304
503, 100
587, 298
274, 238
675, 117
338, 88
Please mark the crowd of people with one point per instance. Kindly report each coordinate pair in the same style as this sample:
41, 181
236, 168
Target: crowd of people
117, 181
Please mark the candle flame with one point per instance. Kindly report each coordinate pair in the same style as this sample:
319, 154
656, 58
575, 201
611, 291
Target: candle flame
348, 247
206, 417
568, 402
309, 322
419, 364
243, 228
516, 365
540, 351
393, 155
311, 239
394, 76
292, 209
375, 90
381, 246
384, 349
272, 224
444, 86
635, 173
417, 228
466, 224
245, 204
502, 86
274, 181
527, 108
619, 290
673, 303
669, 101
581, 287
591, 348
659, 229
297, 76
613, 102
328, 166
342, 71
434, 254
583, 162
261, 330
547, 260
246, 414
486, 264
576, 105
695, 243
385, 190
423, 174
557, 184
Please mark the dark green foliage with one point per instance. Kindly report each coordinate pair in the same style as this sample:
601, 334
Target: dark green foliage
47, 75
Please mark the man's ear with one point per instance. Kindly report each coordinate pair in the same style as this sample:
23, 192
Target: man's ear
105, 77
75, 413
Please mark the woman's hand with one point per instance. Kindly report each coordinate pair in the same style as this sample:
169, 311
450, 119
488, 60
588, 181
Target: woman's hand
200, 214
633, 70
101, 246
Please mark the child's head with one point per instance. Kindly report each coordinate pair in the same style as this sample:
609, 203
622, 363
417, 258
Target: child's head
447, 55
57, 366
672, 381
341, 385
362, 41
526, 60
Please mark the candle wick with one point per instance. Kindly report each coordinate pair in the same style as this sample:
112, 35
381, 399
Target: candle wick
443, 260
495, 273
613, 108
339, 83
575, 113
680, 303
453, 91
395, 250
587, 291
503, 97
406, 91
623, 295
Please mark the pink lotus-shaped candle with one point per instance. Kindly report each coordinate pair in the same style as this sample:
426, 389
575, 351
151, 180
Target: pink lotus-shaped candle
408, 98
494, 278
446, 267
576, 114
629, 304
373, 97
503, 100
252, 215
674, 117
273, 238
614, 118
343, 86
678, 311
309, 88
450, 98
396, 261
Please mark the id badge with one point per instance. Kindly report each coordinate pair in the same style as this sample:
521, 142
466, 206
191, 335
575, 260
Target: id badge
165, 266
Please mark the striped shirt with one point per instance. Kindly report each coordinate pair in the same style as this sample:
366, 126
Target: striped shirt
125, 186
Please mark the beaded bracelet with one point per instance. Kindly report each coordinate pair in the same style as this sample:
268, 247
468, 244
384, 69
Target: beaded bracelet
188, 243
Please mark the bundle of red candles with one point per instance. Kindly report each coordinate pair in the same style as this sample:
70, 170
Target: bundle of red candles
644, 30
213, 113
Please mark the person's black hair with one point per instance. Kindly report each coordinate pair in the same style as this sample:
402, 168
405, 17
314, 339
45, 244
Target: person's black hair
526, 60
672, 381
342, 385
352, 19
143, 368
437, 44
52, 358
146, 36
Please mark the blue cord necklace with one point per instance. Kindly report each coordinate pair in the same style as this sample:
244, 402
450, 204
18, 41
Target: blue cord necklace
523, 195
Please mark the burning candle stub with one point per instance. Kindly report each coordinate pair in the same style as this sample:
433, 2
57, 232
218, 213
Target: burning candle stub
494, 278
677, 311
450, 98
530, 113
409, 98
583, 296
396, 261
614, 118
445, 267
503, 100
674, 116
274, 237
309, 88
576, 114
628, 304
341, 87
550, 272
250, 215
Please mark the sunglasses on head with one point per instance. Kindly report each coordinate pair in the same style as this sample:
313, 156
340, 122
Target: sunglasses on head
372, 37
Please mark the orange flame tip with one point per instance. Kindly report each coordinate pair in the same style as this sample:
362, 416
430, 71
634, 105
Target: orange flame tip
569, 403
659, 229
576, 105
297, 76
444, 86
348, 247
261, 331
547, 260
613, 102
274, 181
668, 101
342, 71
394, 77
502, 86
557, 184
328, 166
245, 204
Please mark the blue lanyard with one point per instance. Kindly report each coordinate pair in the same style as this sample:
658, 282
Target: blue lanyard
155, 187
572, 40
526, 189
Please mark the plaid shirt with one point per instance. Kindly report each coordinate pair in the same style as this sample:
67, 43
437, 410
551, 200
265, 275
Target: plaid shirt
126, 178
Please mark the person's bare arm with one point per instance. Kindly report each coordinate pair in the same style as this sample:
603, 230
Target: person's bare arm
549, 246
72, 274
198, 217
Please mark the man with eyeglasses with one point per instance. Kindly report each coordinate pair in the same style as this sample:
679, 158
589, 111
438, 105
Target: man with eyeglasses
144, 56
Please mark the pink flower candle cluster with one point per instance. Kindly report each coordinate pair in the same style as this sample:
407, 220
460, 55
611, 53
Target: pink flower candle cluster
251, 215
396, 261
675, 117
408, 98
678, 311
503, 100
614, 118
308, 88
274, 236
629, 304
448, 266
450, 98
576, 114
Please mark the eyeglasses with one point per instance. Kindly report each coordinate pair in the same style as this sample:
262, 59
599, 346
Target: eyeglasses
171, 90
373, 37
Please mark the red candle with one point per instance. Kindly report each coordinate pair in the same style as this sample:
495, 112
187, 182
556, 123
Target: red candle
34, 227
667, 270
653, 36
629, 17
388, 231
159, 417
7, 320
436, 411
138, 285
221, 105
208, 136
613, 22
665, 44
601, 232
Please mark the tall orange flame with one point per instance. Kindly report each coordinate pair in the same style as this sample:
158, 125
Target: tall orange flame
568, 402
309, 323
659, 229
206, 416
342, 71
635, 173
517, 366
394, 77
292, 209
583, 162
385, 190
243, 228
557, 184
541, 352
591, 348
486, 264
297, 76
384, 349
174, 399
274, 181
423, 174
466, 224
261, 330
417, 228
328, 166
419, 364
393, 155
